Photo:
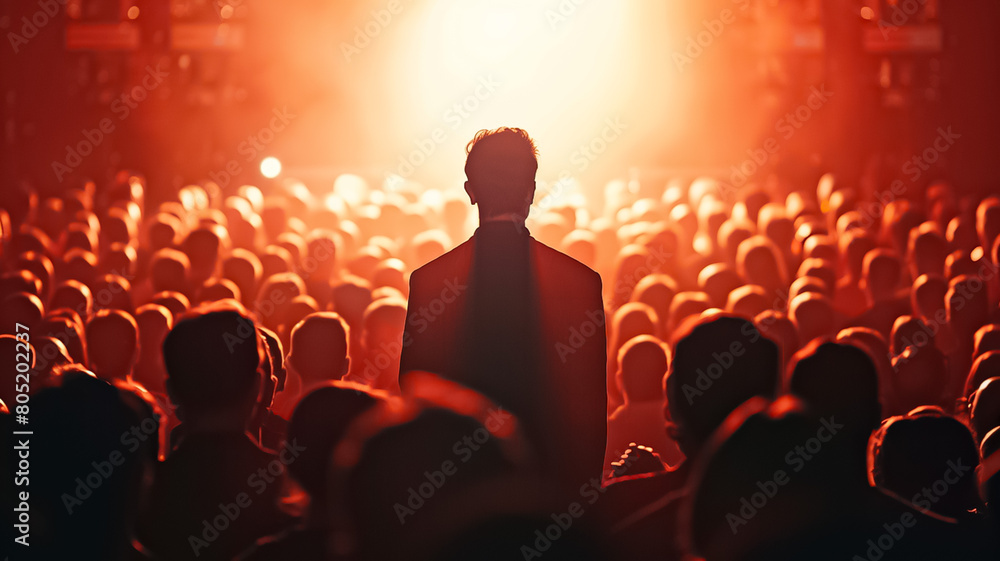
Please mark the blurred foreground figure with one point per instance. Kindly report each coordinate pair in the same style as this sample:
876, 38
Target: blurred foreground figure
515, 319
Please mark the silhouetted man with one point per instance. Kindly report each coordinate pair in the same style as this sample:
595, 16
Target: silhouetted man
514, 318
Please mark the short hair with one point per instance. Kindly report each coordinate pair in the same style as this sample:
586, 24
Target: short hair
112, 343
501, 166
643, 361
319, 346
212, 358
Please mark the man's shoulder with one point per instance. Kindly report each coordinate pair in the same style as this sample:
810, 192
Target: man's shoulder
565, 264
456, 257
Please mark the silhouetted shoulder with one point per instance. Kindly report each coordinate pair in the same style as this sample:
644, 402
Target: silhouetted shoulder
457, 257
569, 266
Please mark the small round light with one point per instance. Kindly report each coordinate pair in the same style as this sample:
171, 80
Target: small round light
270, 167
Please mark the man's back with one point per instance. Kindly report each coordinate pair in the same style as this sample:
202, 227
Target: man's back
212, 498
524, 324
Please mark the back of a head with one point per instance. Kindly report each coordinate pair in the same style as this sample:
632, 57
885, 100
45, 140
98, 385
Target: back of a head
384, 321
500, 167
758, 261
985, 414
919, 377
642, 363
927, 297
720, 363
401, 450
318, 423
913, 455
986, 366
968, 305
987, 338
882, 271
318, 350
169, 270
837, 379
112, 343
212, 359
750, 493
84, 420
812, 315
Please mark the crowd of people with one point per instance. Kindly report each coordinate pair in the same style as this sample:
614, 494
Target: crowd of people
793, 372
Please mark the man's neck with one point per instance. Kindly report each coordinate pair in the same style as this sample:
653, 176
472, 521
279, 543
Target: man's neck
514, 217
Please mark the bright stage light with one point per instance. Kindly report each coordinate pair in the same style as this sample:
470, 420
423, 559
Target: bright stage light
270, 167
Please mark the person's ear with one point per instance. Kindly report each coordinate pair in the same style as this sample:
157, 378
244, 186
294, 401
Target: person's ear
468, 190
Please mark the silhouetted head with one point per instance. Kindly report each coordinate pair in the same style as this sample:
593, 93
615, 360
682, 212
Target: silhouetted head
420, 447
909, 330
318, 423
777, 327
500, 168
749, 300
763, 483
717, 365
84, 421
642, 363
718, 280
919, 377
839, 382
986, 366
881, 272
318, 350
927, 298
72, 295
985, 414
154, 322
968, 306
759, 262
987, 338
812, 315
169, 270
929, 459
23, 308
927, 250
112, 344
243, 268
212, 359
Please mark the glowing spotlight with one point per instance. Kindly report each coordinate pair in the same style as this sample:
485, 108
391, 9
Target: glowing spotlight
133, 12
270, 167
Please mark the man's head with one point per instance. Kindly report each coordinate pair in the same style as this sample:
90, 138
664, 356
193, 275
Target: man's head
318, 352
500, 168
212, 358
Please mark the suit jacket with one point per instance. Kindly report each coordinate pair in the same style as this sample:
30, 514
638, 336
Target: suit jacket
523, 324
